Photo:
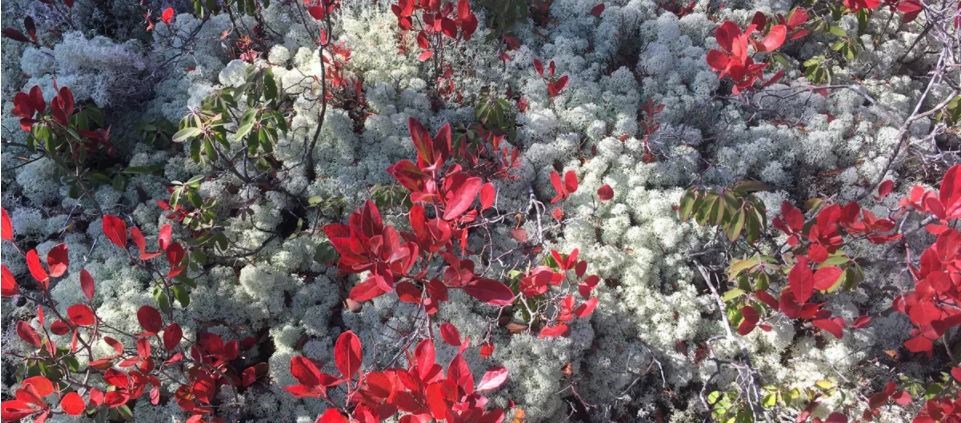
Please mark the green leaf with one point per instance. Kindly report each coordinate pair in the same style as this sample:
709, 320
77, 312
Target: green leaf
733, 230
687, 204
713, 397
748, 186
246, 123
209, 150
187, 133
181, 294
162, 301
738, 266
732, 294
825, 384
704, 210
124, 412
270, 85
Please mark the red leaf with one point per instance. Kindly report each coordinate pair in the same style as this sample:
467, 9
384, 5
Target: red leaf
348, 354
956, 373
749, 321
450, 334
28, 334
31, 28
801, 281
150, 319
81, 315
555, 88
833, 326
774, 39
487, 348
167, 16
141, 243
36, 269
836, 417
318, 11
172, 336
72, 404
924, 312
424, 55
580, 268
584, 288
86, 284
58, 260
466, 19
826, 277
15, 35
919, 344
885, 188
462, 197
538, 67
115, 230
435, 401
597, 9
492, 379
62, 106
586, 308
10, 287
605, 192
6, 228
902, 398
58, 327
791, 219
570, 181
115, 344
861, 322
910, 10
165, 236
367, 290
564, 189
36, 99
950, 192
16, 409
306, 372
332, 415
490, 291
552, 331
175, 256
424, 359
39, 384
718, 60
249, 376
487, 194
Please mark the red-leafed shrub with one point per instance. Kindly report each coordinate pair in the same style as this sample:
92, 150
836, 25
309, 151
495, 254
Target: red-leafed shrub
422, 391
139, 363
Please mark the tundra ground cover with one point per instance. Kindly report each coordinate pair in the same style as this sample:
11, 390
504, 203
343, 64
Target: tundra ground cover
481, 211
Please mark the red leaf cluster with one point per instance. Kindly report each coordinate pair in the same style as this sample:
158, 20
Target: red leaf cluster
934, 306
319, 9
27, 106
211, 363
735, 59
563, 188
554, 84
422, 391
115, 229
444, 194
437, 19
545, 283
